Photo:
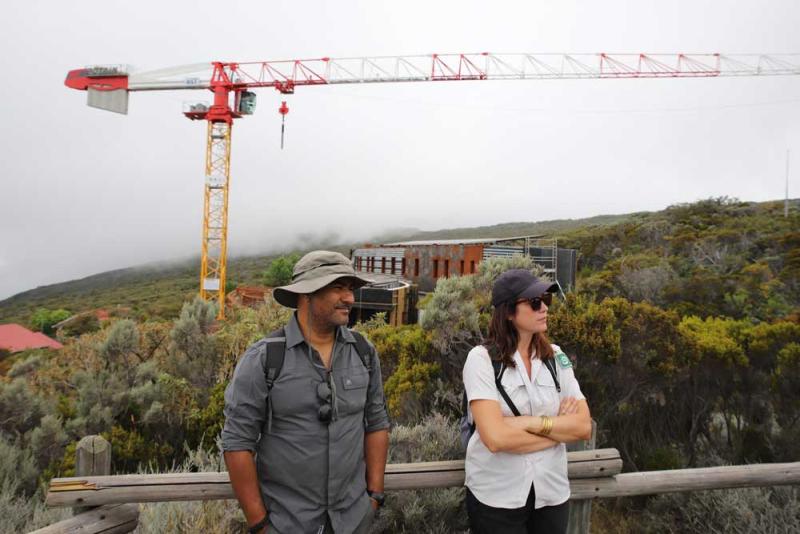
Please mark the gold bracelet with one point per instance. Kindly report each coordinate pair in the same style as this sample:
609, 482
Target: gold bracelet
547, 425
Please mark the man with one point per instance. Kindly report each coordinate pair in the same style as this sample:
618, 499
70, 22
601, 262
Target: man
308, 454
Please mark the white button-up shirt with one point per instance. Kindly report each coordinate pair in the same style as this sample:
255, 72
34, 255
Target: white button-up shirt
503, 479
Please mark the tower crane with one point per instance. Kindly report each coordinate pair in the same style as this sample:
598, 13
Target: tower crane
231, 83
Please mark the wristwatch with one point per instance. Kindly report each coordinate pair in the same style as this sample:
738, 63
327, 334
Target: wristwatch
259, 527
377, 496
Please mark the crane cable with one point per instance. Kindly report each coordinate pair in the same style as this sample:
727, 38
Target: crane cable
283, 110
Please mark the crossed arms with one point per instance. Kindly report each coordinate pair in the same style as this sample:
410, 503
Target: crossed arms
519, 434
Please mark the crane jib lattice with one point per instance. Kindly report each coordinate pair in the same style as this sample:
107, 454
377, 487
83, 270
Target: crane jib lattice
108, 87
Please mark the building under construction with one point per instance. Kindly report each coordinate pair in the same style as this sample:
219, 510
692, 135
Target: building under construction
419, 264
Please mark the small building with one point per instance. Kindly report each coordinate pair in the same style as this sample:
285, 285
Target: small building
16, 338
249, 296
424, 262
87, 321
391, 295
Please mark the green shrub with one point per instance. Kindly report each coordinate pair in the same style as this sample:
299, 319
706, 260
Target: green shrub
279, 272
44, 319
21, 408
434, 438
214, 517
25, 514
193, 353
742, 510
406, 355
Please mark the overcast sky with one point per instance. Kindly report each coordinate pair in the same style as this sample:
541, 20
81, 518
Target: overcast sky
85, 191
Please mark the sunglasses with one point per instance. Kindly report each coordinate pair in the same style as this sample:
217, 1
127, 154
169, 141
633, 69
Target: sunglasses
536, 302
325, 412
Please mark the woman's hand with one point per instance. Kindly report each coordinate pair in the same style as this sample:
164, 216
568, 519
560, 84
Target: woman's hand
569, 406
506, 434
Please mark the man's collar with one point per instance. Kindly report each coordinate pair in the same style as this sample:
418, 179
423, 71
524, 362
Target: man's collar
346, 335
294, 336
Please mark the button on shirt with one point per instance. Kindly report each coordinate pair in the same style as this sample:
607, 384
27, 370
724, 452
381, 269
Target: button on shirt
503, 479
307, 469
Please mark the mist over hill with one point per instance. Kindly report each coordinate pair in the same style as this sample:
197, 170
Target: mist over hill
159, 289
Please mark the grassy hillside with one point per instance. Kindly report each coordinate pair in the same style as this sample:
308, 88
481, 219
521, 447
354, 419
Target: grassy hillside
158, 290
151, 291
547, 228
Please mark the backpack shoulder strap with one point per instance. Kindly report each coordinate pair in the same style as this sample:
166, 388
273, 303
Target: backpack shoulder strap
275, 349
551, 366
500, 368
363, 350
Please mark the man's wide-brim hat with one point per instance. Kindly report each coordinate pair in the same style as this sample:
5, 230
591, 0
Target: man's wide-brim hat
314, 271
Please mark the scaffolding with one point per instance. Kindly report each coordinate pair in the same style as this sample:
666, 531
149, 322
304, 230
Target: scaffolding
544, 252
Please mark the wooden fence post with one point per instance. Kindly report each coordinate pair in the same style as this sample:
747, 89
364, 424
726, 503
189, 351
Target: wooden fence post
580, 512
92, 458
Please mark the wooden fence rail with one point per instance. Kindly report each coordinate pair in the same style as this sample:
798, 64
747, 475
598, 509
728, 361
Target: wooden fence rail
596, 473
95, 491
99, 490
109, 519
677, 480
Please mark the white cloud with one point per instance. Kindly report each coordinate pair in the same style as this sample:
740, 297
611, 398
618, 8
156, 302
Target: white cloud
84, 191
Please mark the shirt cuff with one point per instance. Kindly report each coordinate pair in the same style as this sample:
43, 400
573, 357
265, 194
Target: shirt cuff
232, 443
380, 425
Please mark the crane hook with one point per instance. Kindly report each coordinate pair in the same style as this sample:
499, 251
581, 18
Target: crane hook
283, 110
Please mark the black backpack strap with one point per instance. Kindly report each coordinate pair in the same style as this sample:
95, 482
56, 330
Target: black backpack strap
274, 354
499, 369
363, 350
464, 410
551, 366
365, 353
275, 349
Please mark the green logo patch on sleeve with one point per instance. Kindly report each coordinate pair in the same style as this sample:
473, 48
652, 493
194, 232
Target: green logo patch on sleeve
563, 360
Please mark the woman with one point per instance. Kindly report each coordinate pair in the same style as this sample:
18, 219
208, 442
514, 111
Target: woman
516, 467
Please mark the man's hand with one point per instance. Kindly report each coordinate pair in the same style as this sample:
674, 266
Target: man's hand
569, 406
376, 449
244, 481
374, 503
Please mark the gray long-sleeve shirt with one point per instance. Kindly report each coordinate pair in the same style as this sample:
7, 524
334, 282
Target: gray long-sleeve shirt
307, 468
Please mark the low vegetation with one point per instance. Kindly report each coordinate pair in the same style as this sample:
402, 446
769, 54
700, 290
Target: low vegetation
684, 329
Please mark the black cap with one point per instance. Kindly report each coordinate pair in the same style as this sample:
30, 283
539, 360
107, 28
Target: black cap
516, 284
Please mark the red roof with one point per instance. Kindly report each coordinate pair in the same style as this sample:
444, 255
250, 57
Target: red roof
15, 338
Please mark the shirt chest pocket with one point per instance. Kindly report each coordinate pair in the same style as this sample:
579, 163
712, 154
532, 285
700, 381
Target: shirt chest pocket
352, 389
514, 386
545, 386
